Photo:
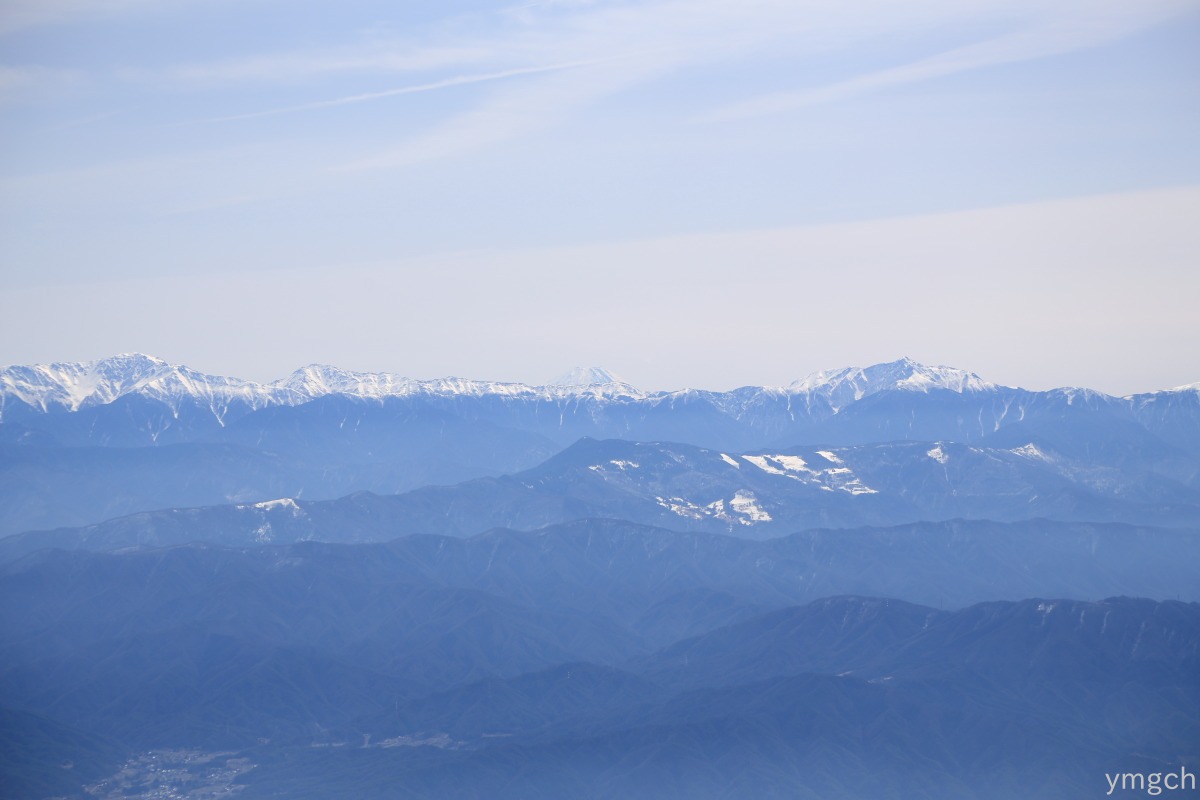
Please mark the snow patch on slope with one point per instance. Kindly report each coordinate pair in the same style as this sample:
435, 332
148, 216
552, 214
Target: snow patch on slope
619, 464
746, 504
284, 503
1031, 451
838, 478
743, 508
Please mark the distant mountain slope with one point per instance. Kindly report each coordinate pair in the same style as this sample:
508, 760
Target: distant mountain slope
1114, 641
51, 486
323, 433
42, 758
1087, 685
892, 582
755, 495
1083, 682
652, 583
534, 681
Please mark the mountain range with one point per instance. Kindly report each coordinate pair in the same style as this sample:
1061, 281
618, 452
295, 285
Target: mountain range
890, 582
163, 403
82, 443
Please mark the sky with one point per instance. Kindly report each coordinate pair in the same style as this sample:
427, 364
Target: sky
709, 193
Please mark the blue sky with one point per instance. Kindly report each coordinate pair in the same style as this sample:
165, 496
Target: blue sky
689, 193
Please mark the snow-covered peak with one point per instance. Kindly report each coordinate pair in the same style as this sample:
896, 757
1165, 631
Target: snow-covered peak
72, 386
843, 386
78, 385
318, 380
128, 365
585, 376
592, 381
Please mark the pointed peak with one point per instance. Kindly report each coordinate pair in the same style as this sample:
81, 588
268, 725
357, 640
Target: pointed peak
586, 376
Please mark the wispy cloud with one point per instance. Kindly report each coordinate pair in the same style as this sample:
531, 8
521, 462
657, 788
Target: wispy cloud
673, 36
445, 83
545, 62
1047, 39
516, 111
298, 67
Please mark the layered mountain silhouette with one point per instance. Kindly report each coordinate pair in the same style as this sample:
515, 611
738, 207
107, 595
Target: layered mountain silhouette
898, 581
463, 666
324, 433
755, 495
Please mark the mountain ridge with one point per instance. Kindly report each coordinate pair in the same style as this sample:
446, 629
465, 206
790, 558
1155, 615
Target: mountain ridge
72, 386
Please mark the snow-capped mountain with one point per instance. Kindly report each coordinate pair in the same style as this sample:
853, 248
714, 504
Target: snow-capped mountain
73, 386
134, 400
83, 442
841, 387
587, 376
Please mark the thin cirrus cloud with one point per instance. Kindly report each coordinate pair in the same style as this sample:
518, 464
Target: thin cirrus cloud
296, 67
550, 61
1055, 38
519, 111
635, 44
446, 83
661, 39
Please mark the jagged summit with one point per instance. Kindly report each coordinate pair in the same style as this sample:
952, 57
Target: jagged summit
79, 385
318, 380
75, 385
843, 386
